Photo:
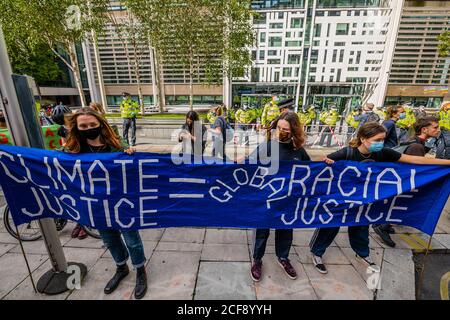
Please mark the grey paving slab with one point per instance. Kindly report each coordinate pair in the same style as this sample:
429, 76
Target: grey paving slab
172, 275
361, 267
443, 239
6, 247
444, 222
397, 276
275, 285
184, 235
152, 234
423, 239
225, 252
179, 246
13, 270
224, 281
302, 238
402, 241
89, 242
405, 229
7, 238
25, 289
225, 236
342, 283
98, 277
32, 247
333, 255
149, 247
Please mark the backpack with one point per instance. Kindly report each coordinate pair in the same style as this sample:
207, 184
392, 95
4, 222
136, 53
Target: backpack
228, 129
372, 117
443, 146
401, 148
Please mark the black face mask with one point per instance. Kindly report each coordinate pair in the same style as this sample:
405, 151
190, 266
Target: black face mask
2, 119
90, 134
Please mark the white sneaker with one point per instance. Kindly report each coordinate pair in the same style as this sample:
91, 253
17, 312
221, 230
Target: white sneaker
368, 260
320, 266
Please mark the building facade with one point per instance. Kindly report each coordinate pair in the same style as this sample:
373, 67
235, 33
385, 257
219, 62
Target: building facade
320, 52
418, 74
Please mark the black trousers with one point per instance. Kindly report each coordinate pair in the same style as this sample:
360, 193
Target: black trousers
283, 243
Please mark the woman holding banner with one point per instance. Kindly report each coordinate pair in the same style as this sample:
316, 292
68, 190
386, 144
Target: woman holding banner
367, 146
91, 133
289, 139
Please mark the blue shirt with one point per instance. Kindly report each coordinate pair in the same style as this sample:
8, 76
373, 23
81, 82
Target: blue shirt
391, 140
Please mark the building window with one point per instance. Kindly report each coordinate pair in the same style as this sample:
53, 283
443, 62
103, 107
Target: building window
293, 43
273, 61
272, 53
294, 59
277, 77
342, 29
262, 55
276, 26
317, 29
296, 23
287, 72
262, 37
275, 42
334, 13
280, 15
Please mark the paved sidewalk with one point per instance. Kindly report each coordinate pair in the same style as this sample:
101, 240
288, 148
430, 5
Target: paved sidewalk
199, 263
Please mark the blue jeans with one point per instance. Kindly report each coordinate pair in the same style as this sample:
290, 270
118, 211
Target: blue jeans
283, 243
121, 251
127, 124
358, 236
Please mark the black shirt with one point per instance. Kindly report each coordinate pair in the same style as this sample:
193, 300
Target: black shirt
286, 152
353, 154
85, 148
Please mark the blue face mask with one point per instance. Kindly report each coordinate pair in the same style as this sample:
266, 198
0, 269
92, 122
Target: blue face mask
376, 146
402, 115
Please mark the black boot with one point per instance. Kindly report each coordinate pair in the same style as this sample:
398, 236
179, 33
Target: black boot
384, 236
121, 273
141, 283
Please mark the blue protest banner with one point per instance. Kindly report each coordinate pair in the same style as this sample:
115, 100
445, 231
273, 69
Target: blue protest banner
118, 191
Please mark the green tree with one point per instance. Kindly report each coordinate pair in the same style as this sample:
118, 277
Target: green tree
197, 35
132, 36
57, 24
444, 44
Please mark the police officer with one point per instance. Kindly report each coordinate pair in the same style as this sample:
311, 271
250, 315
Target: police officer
129, 110
328, 120
352, 122
270, 112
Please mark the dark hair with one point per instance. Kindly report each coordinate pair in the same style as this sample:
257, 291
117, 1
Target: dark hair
423, 123
298, 135
192, 115
107, 136
367, 131
393, 110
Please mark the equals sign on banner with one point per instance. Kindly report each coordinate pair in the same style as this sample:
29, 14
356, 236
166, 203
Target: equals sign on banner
187, 195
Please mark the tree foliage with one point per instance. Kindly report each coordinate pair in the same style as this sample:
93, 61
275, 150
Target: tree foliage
444, 44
